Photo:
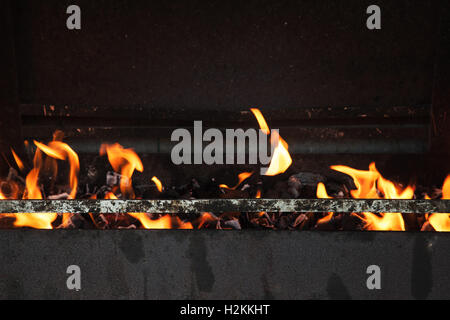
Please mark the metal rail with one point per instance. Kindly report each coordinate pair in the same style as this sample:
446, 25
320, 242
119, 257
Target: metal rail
225, 205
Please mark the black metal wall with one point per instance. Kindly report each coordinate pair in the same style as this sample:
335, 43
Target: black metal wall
177, 264
213, 55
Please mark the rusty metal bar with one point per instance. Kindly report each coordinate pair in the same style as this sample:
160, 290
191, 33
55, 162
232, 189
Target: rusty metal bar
225, 205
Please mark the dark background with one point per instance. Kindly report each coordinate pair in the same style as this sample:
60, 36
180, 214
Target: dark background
136, 63
219, 55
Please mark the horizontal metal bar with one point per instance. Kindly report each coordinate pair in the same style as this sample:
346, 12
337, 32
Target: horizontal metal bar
224, 205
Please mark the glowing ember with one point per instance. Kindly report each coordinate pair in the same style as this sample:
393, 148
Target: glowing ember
206, 218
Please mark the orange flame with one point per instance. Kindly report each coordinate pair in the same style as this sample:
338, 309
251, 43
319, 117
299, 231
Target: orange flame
124, 161
35, 220
281, 159
206, 217
158, 184
371, 185
61, 151
441, 221
57, 150
165, 222
241, 177
261, 121
18, 160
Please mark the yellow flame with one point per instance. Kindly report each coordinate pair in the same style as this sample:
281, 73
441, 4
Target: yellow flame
441, 221
164, 222
158, 184
62, 151
241, 177
371, 185
281, 159
34, 220
124, 161
18, 160
261, 121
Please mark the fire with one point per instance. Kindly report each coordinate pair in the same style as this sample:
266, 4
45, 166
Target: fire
261, 121
364, 181
441, 221
372, 185
127, 161
158, 184
241, 177
35, 220
205, 218
18, 160
281, 159
183, 225
258, 196
62, 151
124, 161
165, 222
54, 150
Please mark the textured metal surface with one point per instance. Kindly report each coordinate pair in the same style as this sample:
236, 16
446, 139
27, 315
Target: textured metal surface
225, 205
177, 264
214, 54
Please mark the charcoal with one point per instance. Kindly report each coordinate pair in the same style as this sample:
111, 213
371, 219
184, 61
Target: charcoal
61, 196
9, 189
308, 222
294, 182
299, 219
76, 221
307, 179
114, 178
233, 224
411, 222
305, 183
283, 223
234, 194
336, 189
350, 222
341, 179
13, 175
293, 192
